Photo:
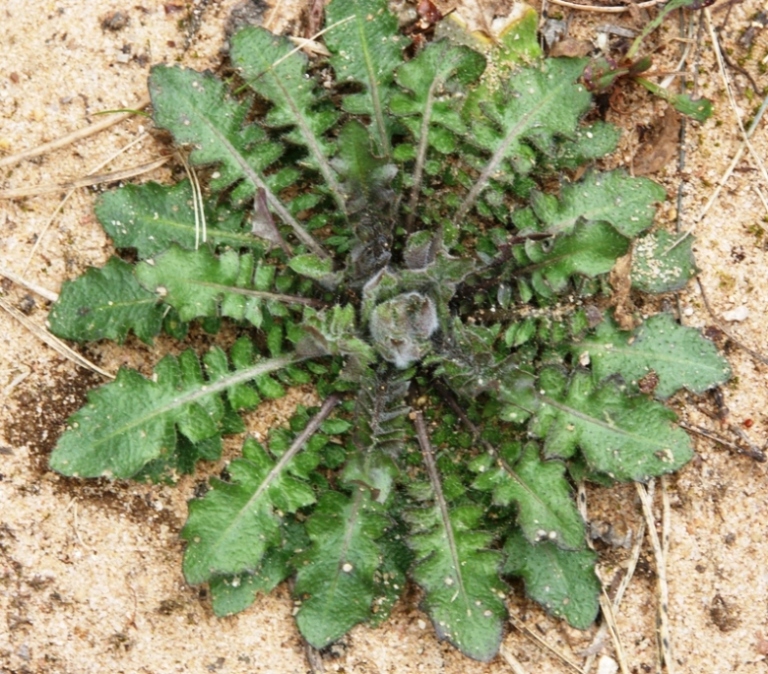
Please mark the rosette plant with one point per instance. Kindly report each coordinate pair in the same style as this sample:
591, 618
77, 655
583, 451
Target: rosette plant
424, 238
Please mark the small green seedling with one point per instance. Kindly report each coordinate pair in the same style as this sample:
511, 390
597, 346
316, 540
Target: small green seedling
603, 73
422, 255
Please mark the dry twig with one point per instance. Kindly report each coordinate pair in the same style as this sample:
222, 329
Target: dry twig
611, 9
56, 344
85, 181
74, 136
527, 631
29, 285
72, 191
662, 622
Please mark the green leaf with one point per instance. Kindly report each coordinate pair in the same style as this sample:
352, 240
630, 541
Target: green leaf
430, 109
543, 497
591, 249
335, 426
447, 221
562, 581
699, 109
356, 162
464, 596
233, 594
336, 576
681, 357
199, 284
534, 107
396, 560
274, 70
437, 70
334, 332
628, 438
311, 266
661, 264
105, 304
627, 203
132, 421
591, 142
380, 411
150, 217
198, 111
366, 49
229, 530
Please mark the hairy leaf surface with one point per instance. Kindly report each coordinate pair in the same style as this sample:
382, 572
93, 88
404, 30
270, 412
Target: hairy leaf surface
661, 263
335, 579
464, 596
198, 111
132, 421
230, 529
366, 51
591, 249
628, 438
150, 217
531, 110
200, 284
272, 70
625, 202
681, 357
106, 303
542, 494
562, 581
235, 593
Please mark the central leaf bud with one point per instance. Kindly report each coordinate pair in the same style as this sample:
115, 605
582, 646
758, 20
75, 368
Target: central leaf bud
401, 328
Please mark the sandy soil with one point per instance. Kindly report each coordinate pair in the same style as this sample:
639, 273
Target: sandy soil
90, 577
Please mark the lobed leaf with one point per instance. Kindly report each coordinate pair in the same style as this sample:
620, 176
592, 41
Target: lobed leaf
366, 48
197, 109
199, 284
380, 410
235, 593
106, 303
273, 70
546, 510
437, 71
132, 421
537, 105
336, 576
661, 264
430, 107
626, 202
680, 357
460, 576
590, 142
562, 581
626, 437
150, 217
230, 529
591, 249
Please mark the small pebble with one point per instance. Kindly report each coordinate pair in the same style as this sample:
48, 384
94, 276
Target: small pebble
738, 314
607, 665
